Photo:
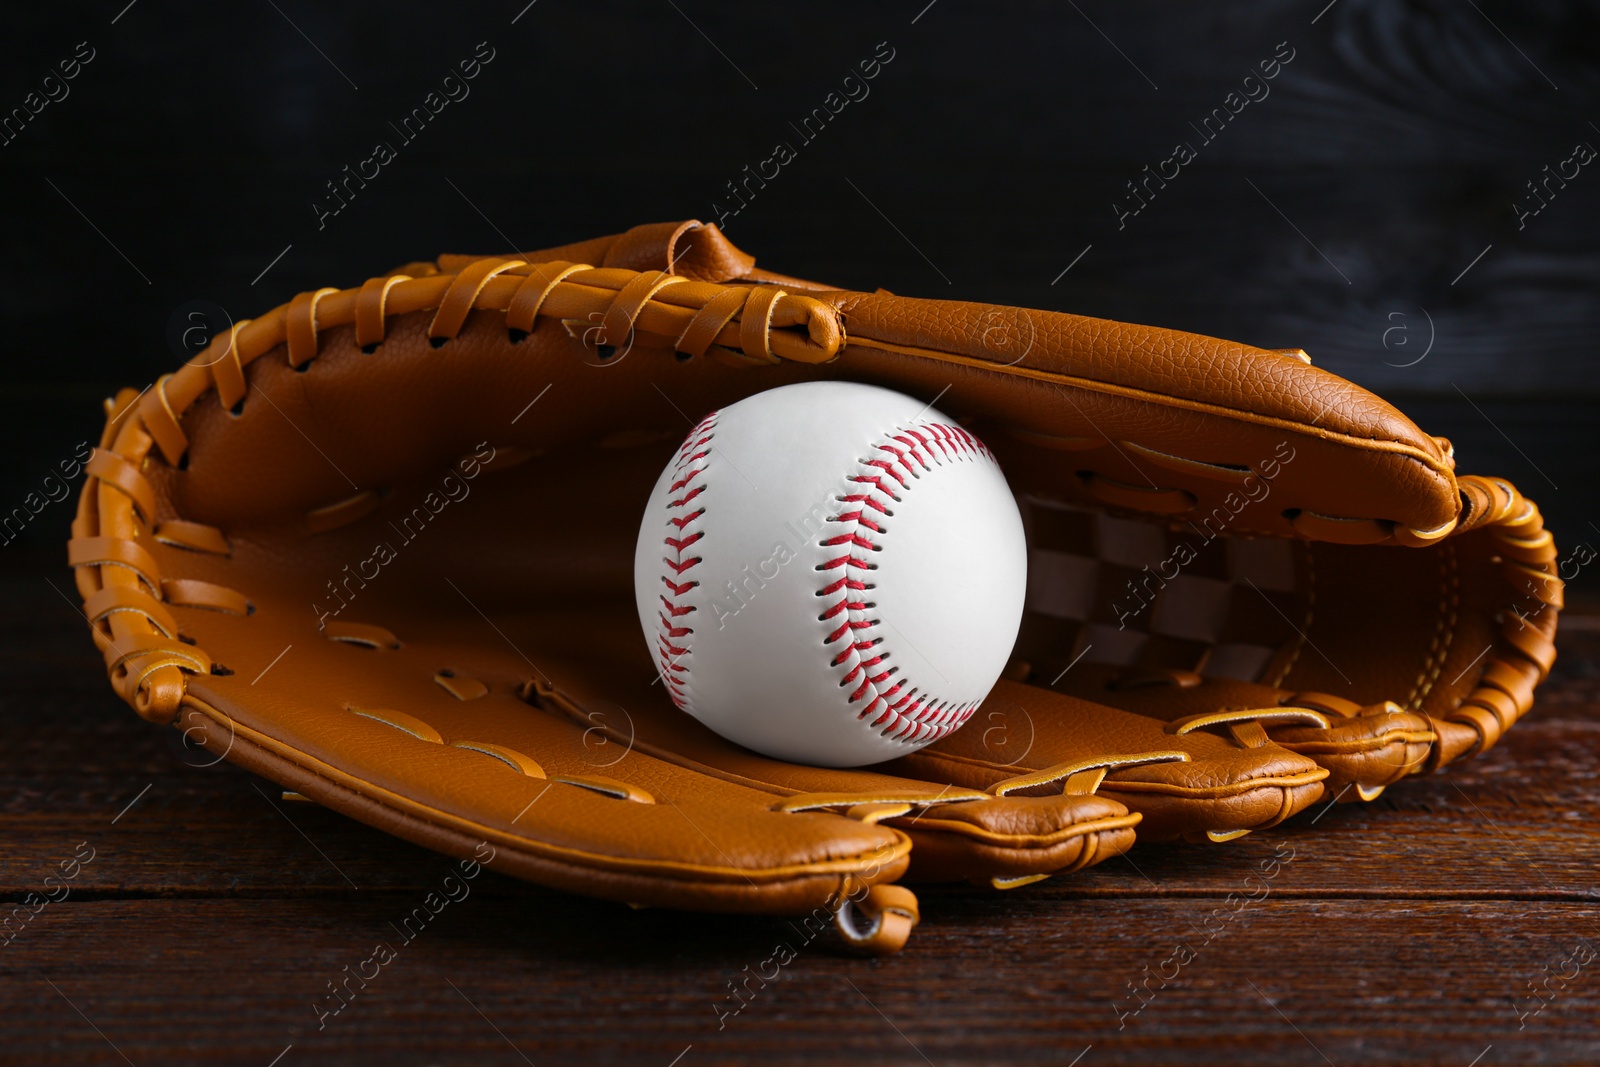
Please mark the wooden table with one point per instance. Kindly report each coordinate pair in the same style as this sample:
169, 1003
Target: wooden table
213, 916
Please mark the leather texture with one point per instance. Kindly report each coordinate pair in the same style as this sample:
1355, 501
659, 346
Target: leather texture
377, 544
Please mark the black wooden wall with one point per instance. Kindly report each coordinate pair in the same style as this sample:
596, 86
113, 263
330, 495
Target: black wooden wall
1370, 201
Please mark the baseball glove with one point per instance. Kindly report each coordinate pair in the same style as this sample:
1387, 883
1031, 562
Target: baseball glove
376, 546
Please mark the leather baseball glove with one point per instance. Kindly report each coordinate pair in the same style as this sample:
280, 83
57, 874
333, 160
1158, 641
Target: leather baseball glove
376, 546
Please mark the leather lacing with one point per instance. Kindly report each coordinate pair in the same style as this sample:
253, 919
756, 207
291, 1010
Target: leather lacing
1082, 777
746, 324
1526, 555
1516, 664
145, 655
147, 659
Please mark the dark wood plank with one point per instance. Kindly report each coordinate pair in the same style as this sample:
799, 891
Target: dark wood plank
1519, 823
1023, 979
1400, 931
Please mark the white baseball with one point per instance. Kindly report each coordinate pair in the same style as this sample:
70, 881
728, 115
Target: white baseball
830, 573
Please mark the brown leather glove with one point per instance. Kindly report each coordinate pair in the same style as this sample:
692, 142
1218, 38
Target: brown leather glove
377, 544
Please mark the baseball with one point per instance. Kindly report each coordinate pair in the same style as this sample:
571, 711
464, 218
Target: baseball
830, 573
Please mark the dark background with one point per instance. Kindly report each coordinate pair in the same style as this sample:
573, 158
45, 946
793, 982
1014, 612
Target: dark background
1362, 211
1337, 215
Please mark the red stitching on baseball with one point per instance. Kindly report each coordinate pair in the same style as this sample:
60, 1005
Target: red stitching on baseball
914, 716
671, 643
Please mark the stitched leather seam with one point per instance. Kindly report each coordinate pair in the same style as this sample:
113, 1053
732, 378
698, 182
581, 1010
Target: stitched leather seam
1389, 739
1396, 448
686, 507
434, 818
1279, 781
797, 328
897, 709
978, 833
1228, 789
